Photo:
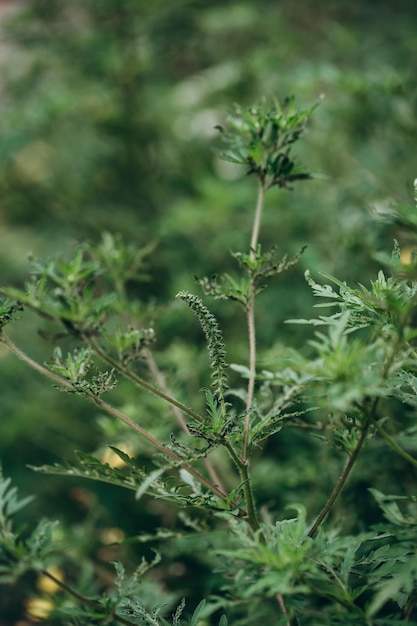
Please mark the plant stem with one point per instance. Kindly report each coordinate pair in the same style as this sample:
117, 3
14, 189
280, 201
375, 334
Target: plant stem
393, 444
160, 379
78, 596
161, 382
290, 621
157, 444
140, 381
257, 219
252, 515
340, 483
250, 315
243, 468
33, 364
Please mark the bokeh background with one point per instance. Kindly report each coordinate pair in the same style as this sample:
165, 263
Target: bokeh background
107, 116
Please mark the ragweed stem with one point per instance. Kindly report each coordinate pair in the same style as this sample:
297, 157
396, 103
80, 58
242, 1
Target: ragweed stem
340, 483
140, 382
83, 599
250, 316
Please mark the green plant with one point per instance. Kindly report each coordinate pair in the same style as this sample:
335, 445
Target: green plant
353, 386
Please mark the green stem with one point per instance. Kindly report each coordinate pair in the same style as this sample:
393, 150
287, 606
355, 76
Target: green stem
393, 444
340, 484
33, 364
250, 314
252, 516
243, 469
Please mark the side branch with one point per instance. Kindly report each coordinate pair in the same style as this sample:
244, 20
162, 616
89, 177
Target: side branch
140, 382
340, 484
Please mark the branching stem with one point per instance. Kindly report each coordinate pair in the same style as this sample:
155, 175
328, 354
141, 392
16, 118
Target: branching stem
78, 596
340, 483
137, 380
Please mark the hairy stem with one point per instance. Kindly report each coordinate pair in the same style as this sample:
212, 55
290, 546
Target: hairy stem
33, 364
250, 315
252, 515
340, 483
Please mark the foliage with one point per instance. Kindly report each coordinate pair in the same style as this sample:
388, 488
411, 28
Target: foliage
353, 387
262, 138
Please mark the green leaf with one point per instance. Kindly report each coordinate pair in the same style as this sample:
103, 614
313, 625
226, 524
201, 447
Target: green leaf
10, 504
195, 618
391, 510
149, 480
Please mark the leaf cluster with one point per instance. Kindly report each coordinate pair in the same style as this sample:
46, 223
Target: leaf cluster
262, 137
257, 266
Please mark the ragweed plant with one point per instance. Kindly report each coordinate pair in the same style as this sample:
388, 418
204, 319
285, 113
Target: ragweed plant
355, 386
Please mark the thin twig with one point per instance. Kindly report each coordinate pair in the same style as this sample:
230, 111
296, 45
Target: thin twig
78, 596
393, 444
290, 621
160, 379
340, 483
137, 380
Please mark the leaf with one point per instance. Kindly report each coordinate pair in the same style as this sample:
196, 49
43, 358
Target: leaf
391, 509
197, 612
398, 586
149, 480
90, 467
9, 502
242, 370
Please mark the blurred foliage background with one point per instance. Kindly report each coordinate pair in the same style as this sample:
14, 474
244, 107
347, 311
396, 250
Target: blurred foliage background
107, 116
